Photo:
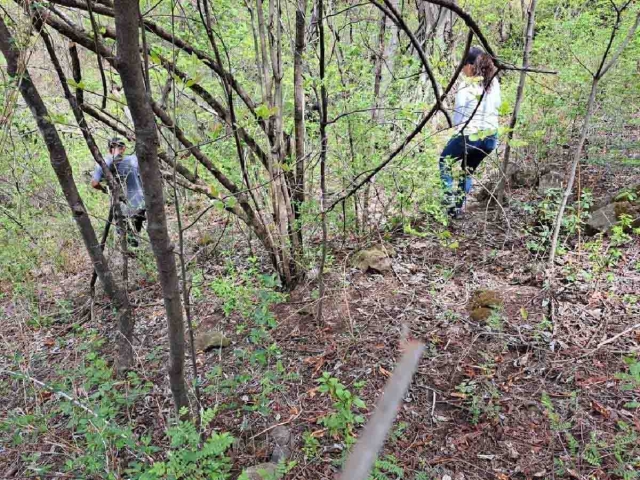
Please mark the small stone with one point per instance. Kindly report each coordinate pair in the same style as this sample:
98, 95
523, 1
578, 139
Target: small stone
261, 471
525, 176
280, 454
602, 219
281, 435
206, 341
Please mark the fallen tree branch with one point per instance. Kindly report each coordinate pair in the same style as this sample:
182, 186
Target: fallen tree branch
364, 453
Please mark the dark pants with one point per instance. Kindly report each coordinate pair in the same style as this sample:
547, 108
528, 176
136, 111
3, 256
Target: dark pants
133, 226
470, 153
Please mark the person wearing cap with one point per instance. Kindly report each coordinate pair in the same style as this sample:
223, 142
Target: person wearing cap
126, 171
476, 128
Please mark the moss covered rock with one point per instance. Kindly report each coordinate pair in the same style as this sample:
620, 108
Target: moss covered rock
373, 259
211, 339
486, 298
481, 314
483, 303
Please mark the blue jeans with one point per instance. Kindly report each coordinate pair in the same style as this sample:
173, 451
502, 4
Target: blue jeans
470, 153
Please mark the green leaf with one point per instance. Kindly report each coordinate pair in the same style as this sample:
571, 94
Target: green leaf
231, 202
515, 143
263, 112
193, 81
505, 108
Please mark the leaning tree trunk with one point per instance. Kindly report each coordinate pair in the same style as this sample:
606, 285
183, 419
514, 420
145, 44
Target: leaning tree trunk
528, 43
64, 173
125, 322
129, 67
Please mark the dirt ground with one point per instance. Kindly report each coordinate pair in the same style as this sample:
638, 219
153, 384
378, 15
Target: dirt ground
475, 408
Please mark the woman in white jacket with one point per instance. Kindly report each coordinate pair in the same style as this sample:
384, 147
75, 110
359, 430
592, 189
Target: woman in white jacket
476, 127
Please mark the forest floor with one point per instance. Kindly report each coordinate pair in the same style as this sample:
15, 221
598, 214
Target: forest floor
500, 397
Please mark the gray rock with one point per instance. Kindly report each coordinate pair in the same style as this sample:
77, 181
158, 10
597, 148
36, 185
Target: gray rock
280, 453
524, 175
602, 219
281, 435
211, 339
263, 471
550, 180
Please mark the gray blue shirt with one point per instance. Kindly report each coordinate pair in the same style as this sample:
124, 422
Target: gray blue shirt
129, 176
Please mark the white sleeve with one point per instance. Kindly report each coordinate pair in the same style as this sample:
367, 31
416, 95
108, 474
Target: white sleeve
460, 105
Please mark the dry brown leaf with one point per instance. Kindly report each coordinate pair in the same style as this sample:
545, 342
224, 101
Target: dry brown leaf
601, 409
385, 373
470, 372
573, 473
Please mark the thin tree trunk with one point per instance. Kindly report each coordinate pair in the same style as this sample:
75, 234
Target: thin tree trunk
323, 158
298, 114
375, 112
574, 165
528, 43
601, 72
377, 69
129, 67
262, 35
256, 46
63, 171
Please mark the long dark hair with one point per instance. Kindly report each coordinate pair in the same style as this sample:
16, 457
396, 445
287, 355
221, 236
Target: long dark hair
483, 66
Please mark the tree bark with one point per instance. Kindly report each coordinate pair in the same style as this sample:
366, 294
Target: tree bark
64, 173
323, 157
129, 67
528, 43
298, 114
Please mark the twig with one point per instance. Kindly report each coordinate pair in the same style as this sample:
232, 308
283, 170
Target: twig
615, 337
51, 389
11, 217
289, 420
